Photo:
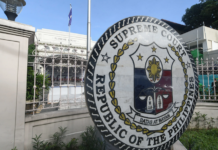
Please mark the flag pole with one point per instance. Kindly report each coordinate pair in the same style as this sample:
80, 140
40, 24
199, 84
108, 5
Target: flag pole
88, 28
68, 69
69, 28
69, 36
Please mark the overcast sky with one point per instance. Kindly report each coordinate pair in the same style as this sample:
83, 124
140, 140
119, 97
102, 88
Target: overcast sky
53, 14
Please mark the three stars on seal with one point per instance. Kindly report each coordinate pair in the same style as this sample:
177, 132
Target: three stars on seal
153, 49
139, 57
166, 60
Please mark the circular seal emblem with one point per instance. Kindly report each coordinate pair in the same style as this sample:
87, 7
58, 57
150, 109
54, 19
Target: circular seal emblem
141, 84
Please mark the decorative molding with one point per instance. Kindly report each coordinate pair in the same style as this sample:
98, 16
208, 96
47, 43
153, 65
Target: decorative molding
16, 31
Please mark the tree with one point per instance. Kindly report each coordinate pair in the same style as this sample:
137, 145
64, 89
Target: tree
196, 54
31, 52
39, 84
205, 12
30, 78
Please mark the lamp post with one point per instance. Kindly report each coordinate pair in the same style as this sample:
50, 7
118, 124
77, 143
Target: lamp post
12, 8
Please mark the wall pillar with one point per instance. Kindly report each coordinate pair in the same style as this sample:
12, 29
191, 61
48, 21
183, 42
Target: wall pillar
14, 41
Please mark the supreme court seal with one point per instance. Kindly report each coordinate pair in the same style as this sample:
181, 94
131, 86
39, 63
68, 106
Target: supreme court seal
139, 91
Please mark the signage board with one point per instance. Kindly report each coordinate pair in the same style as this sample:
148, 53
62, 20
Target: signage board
141, 84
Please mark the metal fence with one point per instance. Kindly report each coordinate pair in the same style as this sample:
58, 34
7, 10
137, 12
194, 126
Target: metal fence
207, 70
55, 79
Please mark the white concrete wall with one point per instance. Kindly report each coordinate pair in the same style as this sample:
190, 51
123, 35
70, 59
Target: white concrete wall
12, 90
211, 54
191, 36
76, 121
14, 39
211, 34
206, 35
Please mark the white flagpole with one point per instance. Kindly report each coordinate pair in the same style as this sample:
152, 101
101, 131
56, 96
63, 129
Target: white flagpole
69, 36
69, 28
68, 69
88, 28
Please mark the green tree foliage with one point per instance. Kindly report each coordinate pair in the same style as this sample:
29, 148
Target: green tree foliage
196, 54
30, 77
205, 12
39, 84
31, 52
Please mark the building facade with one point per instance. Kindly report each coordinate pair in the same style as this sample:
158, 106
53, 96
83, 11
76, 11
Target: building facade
204, 39
52, 43
63, 61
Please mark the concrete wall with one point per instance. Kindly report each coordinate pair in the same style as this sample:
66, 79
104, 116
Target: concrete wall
191, 36
14, 39
207, 36
211, 34
12, 90
76, 121
210, 109
211, 54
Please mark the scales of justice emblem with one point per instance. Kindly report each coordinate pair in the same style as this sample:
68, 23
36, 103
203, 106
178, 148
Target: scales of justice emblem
153, 92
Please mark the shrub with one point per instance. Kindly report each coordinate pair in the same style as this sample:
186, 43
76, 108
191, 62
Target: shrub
90, 140
55, 144
39, 84
37, 144
72, 145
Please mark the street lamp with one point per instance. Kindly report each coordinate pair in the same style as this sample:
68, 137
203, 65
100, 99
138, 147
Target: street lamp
12, 8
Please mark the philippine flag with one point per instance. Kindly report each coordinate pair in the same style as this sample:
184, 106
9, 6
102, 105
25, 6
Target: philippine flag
70, 16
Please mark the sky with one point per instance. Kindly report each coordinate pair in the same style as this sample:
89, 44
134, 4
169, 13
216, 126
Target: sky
53, 14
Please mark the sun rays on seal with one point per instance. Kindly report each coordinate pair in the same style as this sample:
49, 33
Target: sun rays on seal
154, 69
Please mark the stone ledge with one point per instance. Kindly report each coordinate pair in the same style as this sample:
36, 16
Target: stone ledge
17, 25
56, 114
17, 29
178, 146
206, 104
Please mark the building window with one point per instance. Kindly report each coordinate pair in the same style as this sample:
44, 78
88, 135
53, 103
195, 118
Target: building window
56, 48
66, 49
47, 47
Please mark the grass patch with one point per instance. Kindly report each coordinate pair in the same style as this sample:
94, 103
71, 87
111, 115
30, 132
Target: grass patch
204, 139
